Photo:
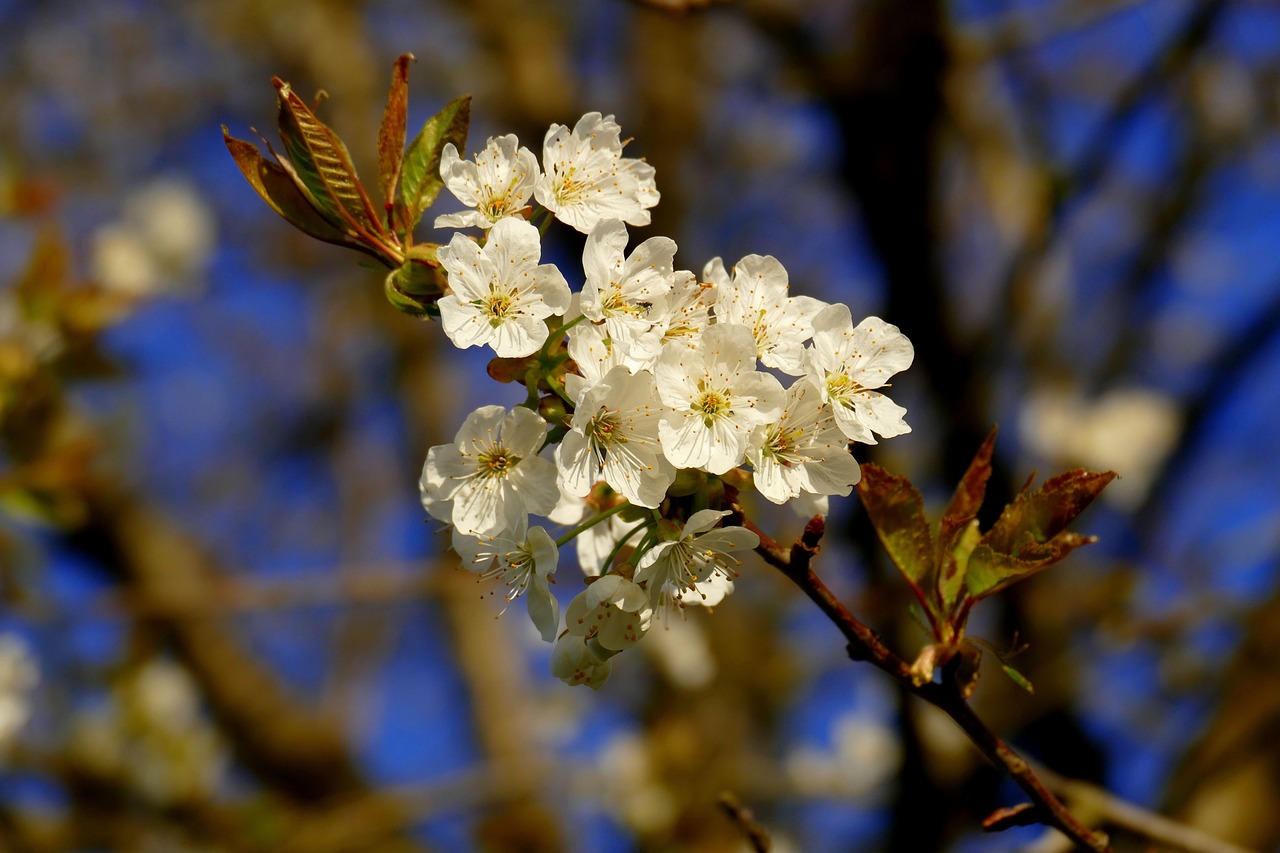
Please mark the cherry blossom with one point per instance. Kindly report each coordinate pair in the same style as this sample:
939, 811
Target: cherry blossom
802, 451
491, 475
496, 185
716, 398
614, 436
757, 297
846, 363
672, 570
586, 179
500, 295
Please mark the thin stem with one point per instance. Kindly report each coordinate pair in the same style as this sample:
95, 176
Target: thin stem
608, 561
558, 387
553, 339
590, 523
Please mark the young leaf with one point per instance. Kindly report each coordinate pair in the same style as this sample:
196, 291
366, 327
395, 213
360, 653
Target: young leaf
420, 180
956, 530
897, 513
278, 189
1031, 534
324, 166
1048, 510
392, 132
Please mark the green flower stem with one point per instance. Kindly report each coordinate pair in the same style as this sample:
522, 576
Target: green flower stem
553, 340
590, 523
559, 389
608, 561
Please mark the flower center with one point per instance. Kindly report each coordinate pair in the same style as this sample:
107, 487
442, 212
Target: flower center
515, 569
615, 303
604, 429
712, 405
780, 444
498, 306
840, 388
497, 463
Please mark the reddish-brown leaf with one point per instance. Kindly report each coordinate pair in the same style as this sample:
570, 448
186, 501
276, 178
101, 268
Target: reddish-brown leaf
284, 193
1043, 514
896, 510
990, 571
391, 134
321, 161
1023, 814
956, 519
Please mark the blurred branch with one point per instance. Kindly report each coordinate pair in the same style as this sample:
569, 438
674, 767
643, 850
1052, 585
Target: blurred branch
1228, 780
1092, 800
1020, 29
1083, 176
384, 584
165, 570
757, 836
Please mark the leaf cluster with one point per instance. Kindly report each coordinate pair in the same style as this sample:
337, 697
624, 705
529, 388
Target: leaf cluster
953, 565
315, 187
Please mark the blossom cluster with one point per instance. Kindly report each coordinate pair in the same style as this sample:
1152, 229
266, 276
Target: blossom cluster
661, 390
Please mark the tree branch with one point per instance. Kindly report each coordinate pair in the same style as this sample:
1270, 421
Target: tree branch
865, 644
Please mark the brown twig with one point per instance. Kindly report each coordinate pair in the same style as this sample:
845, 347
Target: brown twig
757, 835
865, 644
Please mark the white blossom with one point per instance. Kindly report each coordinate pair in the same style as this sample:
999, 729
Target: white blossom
803, 451
500, 295
757, 297
524, 564
586, 179
672, 570
595, 355
574, 663
614, 436
627, 293
688, 311
846, 363
497, 185
612, 612
716, 398
491, 476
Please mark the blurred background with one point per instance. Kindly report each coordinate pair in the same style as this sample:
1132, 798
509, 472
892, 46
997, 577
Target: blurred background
226, 626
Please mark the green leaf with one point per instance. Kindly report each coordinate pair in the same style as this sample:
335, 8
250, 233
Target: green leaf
280, 189
1018, 678
420, 180
321, 161
951, 579
392, 132
897, 513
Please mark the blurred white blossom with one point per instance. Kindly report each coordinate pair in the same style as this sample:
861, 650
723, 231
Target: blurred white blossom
864, 756
151, 733
1129, 430
19, 676
161, 244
